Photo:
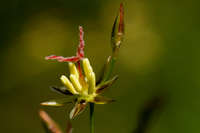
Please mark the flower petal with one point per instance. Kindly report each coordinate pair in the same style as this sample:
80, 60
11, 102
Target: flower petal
102, 87
61, 90
101, 100
56, 102
78, 108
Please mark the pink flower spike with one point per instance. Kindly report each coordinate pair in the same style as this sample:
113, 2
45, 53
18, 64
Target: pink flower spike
80, 51
63, 59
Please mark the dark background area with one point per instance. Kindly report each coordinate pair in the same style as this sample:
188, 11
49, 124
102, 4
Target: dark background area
160, 56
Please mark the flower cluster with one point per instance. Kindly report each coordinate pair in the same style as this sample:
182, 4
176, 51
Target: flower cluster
81, 82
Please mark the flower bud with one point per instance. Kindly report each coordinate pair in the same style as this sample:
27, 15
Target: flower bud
118, 29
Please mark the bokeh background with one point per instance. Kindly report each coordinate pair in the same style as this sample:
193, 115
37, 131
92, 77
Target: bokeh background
160, 56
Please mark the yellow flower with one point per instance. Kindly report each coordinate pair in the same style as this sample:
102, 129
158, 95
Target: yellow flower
81, 83
82, 86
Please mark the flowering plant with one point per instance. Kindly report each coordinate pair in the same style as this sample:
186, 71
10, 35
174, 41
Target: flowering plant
81, 84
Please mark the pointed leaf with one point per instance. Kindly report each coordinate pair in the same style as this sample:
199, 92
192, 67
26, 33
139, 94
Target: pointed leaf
56, 102
102, 87
102, 100
49, 124
62, 90
78, 108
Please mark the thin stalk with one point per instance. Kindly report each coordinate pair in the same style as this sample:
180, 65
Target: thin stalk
91, 117
109, 66
116, 40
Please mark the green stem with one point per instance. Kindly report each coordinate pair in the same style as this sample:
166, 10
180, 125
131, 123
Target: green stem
109, 66
91, 117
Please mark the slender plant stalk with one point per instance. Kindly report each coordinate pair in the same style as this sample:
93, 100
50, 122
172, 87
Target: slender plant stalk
92, 86
116, 40
91, 117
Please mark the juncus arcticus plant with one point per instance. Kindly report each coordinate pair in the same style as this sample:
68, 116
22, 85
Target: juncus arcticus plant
81, 84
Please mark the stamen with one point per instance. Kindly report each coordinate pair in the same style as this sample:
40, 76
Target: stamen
68, 84
87, 68
92, 83
73, 70
76, 83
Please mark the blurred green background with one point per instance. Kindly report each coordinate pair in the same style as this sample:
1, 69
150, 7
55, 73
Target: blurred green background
160, 54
